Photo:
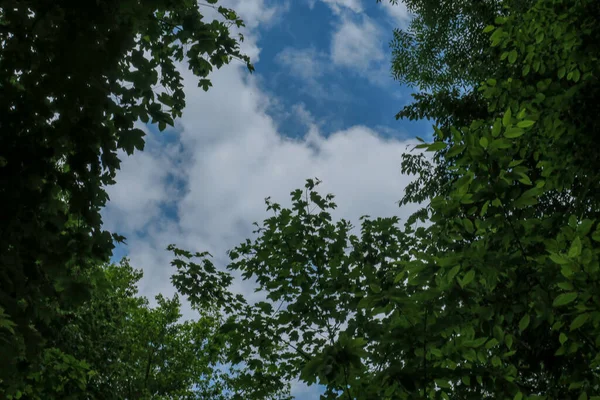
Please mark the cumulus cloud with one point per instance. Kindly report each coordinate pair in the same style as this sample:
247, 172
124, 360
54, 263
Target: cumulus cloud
357, 44
257, 12
307, 63
233, 157
399, 13
339, 6
147, 173
205, 188
313, 69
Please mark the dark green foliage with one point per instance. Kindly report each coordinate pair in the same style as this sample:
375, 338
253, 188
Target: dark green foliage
495, 296
74, 78
207, 289
444, 46
116, 346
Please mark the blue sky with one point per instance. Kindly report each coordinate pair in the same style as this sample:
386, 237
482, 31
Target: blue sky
321, 103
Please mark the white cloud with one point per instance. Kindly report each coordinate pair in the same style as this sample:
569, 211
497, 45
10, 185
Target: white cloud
234, 157
302, 390
230, 154
257, 12
311, 67
307, 63
142, 188
303, 115
357, 44
399, 13
339, 6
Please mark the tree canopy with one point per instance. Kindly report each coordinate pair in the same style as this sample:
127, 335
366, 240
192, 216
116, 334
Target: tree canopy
75, 79
117, 346
496, 296
490, 291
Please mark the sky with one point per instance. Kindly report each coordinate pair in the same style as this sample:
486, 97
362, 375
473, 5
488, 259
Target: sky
321, 103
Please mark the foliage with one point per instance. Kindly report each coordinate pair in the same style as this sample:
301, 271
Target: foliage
253, 374
443, 47
497, 296
75, 78
445, 54
116, 346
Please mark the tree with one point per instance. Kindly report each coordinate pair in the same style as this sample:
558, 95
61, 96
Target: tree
444, 47
75, 78
444, 53
116, 346
497, 296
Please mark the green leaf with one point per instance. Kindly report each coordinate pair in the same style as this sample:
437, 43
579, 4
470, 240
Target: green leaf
453, 273
478, 342
524, 322
501, 144
525, 123
400, 276
525, 201
558, 259
518, 396
489, 28
513, 132
455, 150
443, 383
436, 352
566, 271
525, 180
496, 362
507, 118
311, 368
468, 278
575, 249
375, 288
512, 56
132, 139
539, 37
584, 228
568, 286
508, 340
468, 225
562, 338
491, 343
564, 299
496, 128
573, 221
496, 37
579, 321
483, 142
436, 146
